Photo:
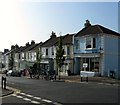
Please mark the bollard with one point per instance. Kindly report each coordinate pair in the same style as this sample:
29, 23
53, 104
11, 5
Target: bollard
86, 79
4, 83
81, 79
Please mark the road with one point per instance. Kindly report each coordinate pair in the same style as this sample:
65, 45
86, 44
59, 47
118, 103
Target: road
48, 92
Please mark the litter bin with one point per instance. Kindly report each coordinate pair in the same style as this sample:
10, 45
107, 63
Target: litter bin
112, 74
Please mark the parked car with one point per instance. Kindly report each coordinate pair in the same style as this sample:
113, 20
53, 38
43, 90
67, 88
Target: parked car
13, 73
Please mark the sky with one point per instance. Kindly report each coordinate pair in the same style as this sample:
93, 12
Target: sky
24, 20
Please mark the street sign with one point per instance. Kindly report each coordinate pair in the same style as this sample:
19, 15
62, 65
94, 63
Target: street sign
85, 65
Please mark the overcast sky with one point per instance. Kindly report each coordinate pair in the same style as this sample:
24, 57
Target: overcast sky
22, 21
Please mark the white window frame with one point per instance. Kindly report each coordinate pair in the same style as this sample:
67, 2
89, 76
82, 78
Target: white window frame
91, 39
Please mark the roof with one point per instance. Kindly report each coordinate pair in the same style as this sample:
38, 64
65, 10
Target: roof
36, 46
67, 39
29, 47
20, 49
95, 29
50, 42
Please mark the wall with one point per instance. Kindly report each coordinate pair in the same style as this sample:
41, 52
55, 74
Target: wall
82, 44
76, 65
119, 58
110, 55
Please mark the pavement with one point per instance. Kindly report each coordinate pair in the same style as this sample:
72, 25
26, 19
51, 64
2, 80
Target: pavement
6, 92
75, 79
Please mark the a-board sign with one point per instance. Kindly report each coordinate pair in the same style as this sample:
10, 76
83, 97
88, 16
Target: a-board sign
85, 65
87, 74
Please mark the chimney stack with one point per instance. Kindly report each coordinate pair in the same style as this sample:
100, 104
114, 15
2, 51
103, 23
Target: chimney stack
32, 42
87, 24
27, 44
12, 47
6, 50
53, 35
16, 46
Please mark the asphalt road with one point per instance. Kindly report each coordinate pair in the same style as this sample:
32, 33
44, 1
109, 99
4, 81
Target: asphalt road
48, 92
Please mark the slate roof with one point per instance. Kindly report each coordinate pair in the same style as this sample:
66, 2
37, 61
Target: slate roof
95, 29
36, 46
67, 39
50, 42
29, 47
20, 49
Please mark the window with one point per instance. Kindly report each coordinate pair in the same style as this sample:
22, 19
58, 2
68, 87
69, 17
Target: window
68, 50
46, 51
94, 42
77, 44
52, 51
19, 56
88, 43
22, 55
64, 52
16, 57
35, 56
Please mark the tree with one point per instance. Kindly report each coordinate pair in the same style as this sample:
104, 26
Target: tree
38, 60
59, 55
11, 61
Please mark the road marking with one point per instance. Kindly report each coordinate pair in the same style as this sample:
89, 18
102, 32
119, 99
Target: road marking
19, 96
14, 95
35, 102
26, 99
55, 103
46, 100
37, 98
29, 95
23, 93
32, 99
